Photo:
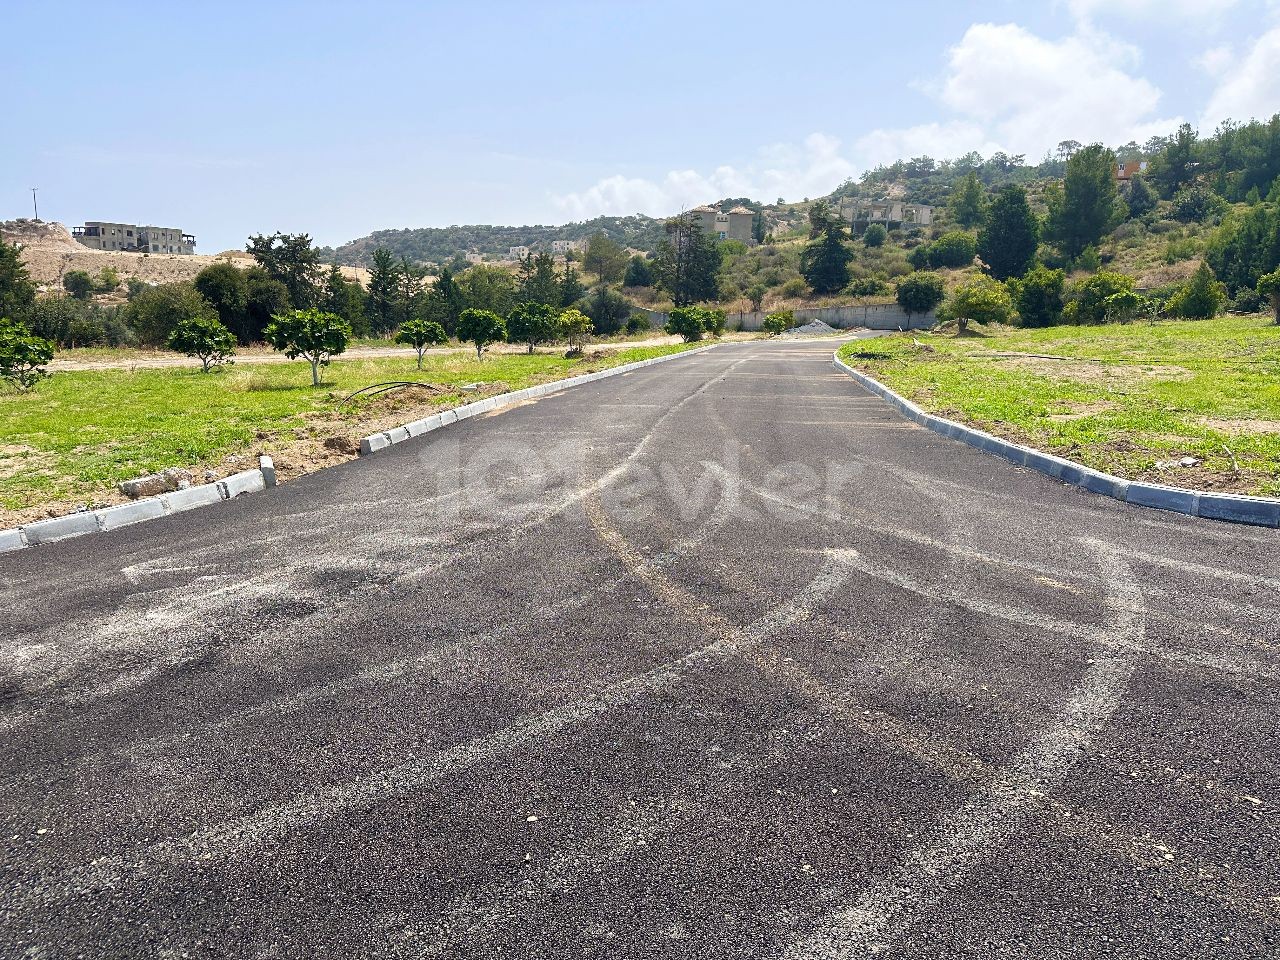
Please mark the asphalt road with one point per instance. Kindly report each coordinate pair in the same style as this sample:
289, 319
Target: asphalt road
721, 658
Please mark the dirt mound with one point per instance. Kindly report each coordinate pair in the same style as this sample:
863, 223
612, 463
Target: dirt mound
36, 232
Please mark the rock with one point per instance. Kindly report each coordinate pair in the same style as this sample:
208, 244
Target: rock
173, 478
210, 476
1188, 462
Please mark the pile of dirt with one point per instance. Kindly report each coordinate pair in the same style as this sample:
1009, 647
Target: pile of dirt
51, 236
811, 329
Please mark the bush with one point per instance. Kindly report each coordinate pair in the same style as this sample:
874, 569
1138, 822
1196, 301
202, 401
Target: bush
1198, 204
954, 249
692, 323
1200, 298
919, 292
875, 235
795, 287
481, 328
866, 287
108, 280
608, 311
1269, 288
919, 257
1087, 299
1248, 301
22, 355
420, 333
779, 321
639, 323
639, 273
1037, 295
575, 326
533, 323
156, 312
316, 337
78, 283
204, 338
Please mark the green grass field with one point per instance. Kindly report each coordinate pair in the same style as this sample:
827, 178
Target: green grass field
81, 432
1127, 399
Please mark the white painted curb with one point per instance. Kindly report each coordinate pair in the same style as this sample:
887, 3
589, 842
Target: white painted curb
1258, 511
380, 441
148, 508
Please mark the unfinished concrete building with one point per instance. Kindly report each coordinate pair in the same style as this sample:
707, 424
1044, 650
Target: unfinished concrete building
890, 213
732, 225
131, 238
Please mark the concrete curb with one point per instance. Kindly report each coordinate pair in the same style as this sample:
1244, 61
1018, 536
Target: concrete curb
1258, 511
380, 441
149, 508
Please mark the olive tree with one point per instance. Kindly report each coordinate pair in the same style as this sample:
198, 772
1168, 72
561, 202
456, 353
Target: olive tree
315, 336
981, 301
204, 338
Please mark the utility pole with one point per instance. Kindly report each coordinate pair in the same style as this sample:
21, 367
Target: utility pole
34, 203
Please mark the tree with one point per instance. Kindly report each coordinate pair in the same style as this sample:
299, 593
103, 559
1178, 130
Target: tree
1176, 164
638, 273
1196, 204
409, 278
481, 327
108, 280
538, 280
608, 311
687, 261
264, 299
1201, 297
692, 323
291, 260
446, 300
919, 292
982, 300
17, 292
875, 235
533, 323
571, 288
421, 333
315, 336
1038, 296
1269, 288
1246, 246
756, 294
78, 283
22, 355
345, 298
1142, 198
384, 284
1087, 301
1010, 234
156, 312
953, 249
576, 327
1086, 207
779, 322
204, 338
1124, 306
604, 258
824, 262
226, 287
967, 201
488, 288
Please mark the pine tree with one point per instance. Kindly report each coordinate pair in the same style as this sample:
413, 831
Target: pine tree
824, 263
1010, 234
687, 261
967, 201
1086, 207
381, 299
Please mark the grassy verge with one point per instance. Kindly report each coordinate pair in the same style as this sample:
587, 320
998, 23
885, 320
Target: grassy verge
79, 433
1133, 400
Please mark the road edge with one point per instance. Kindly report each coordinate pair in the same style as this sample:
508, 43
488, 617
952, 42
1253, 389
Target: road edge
1208, 504
106, 519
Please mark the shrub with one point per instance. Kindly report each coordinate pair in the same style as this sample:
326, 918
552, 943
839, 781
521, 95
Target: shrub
608, 311
78, 283
316, 337
875, 235
1269, 288
692, 323
1198, 204
1200, 298
22, 355
919, 256
204, 338
779, 321
1037, 295
1087, 299
533, 323
954, 249
639, 323
156, 311
866, 287
919, 292
108, 280
575, 326
1248, 301
795, 287
639, 273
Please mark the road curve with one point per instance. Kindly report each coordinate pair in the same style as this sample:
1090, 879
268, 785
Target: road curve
721, 658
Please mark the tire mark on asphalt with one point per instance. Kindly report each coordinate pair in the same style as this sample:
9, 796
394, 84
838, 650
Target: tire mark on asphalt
962, 836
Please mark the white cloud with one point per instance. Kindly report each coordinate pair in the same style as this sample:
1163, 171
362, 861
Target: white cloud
1248, 85
790, 170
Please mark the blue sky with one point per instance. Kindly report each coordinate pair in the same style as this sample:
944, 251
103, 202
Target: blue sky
338, 119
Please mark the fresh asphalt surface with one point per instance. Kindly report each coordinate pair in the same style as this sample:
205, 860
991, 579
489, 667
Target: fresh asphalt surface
719, 658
